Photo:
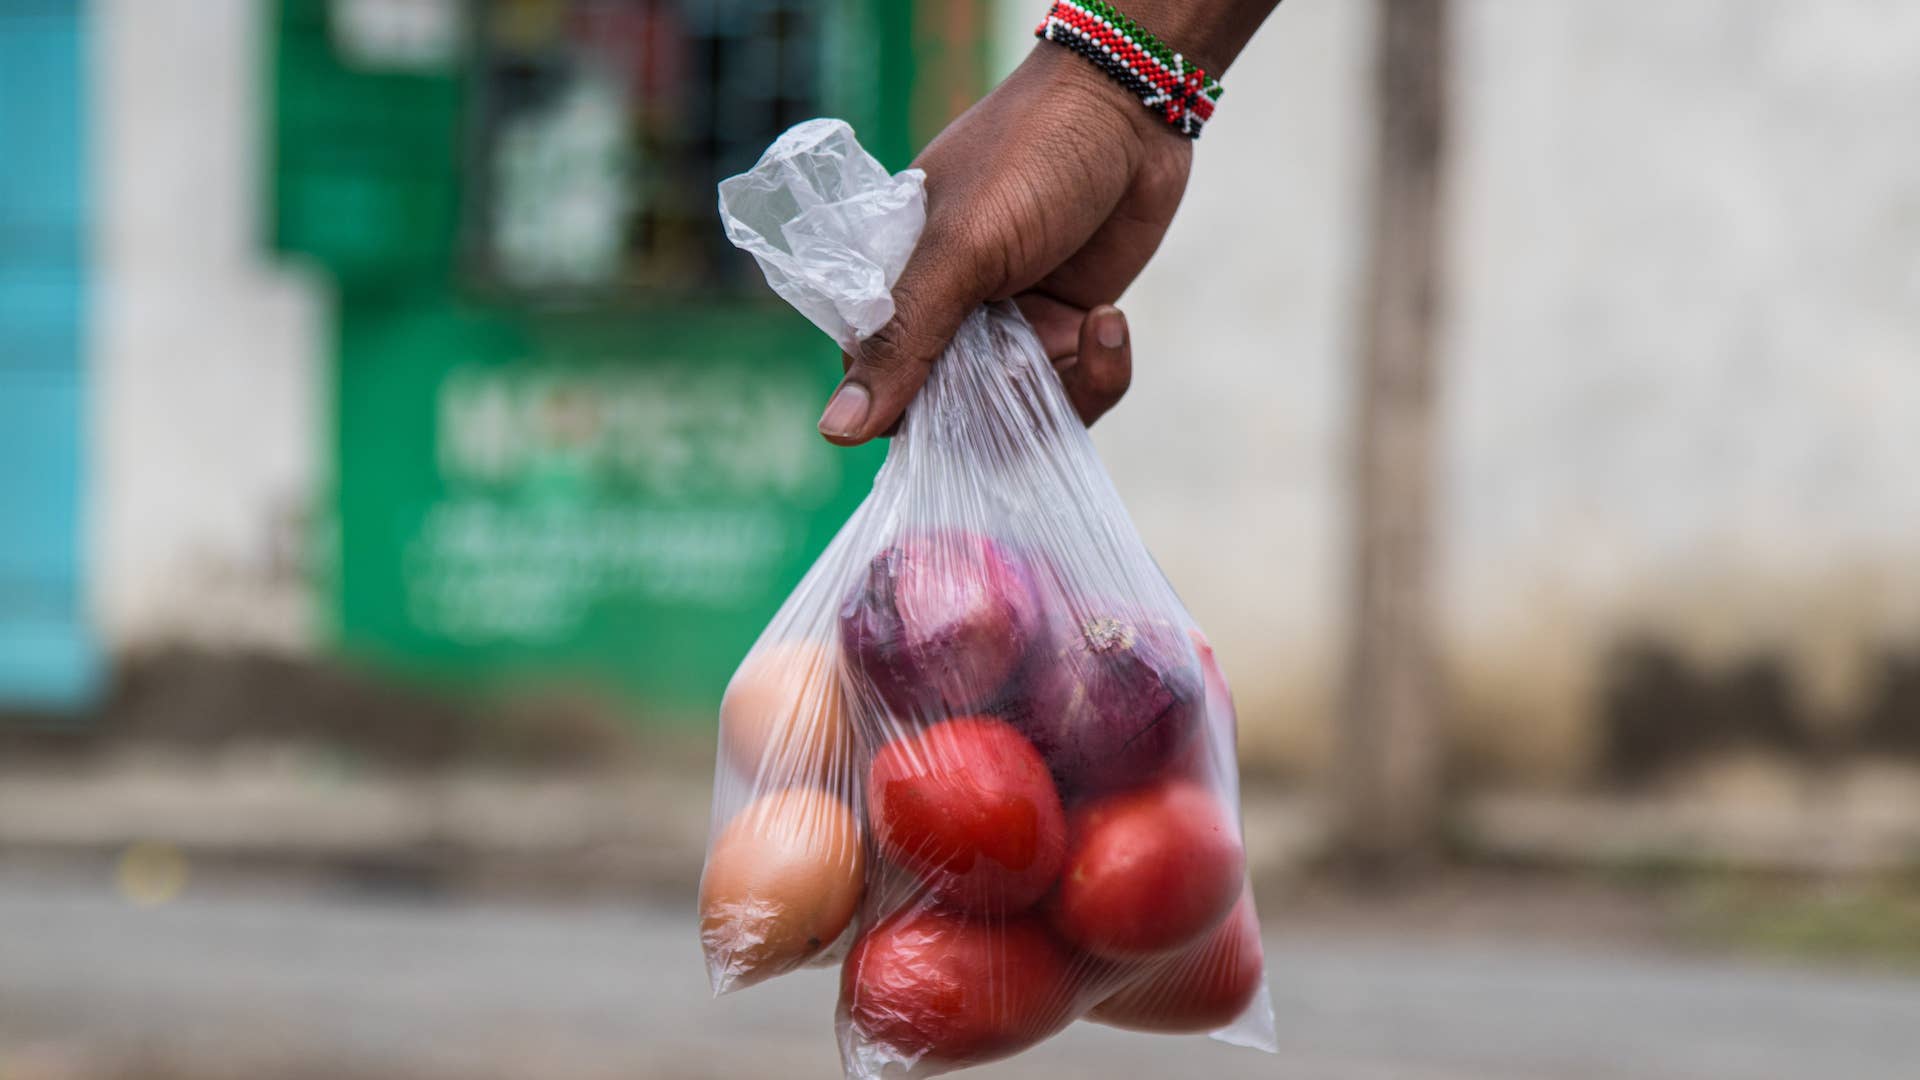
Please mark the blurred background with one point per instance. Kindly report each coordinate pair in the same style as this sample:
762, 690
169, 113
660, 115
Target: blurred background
395, 462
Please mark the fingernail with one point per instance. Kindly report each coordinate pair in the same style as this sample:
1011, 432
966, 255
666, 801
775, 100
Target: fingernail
846, 411
1110, 328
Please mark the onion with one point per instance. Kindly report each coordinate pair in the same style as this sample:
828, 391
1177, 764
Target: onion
940, 623
1112, 702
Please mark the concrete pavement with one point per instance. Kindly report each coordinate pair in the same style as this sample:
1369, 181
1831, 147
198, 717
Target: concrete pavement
298, 981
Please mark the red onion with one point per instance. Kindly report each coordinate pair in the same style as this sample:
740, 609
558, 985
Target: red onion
940, 623
1112, 701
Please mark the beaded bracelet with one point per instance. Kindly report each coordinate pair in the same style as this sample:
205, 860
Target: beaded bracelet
1163, 80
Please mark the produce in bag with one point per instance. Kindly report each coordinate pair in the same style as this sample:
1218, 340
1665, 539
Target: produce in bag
982, 758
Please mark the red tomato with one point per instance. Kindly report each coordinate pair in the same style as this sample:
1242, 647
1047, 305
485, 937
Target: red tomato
1209, 758
1148, 871
938, 984
969, 806
1201, 989
1219, 694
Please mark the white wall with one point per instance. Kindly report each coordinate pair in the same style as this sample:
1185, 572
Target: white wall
1690, 274
206, 360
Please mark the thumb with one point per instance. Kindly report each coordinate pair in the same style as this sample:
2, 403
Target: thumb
1097, 377
938, 289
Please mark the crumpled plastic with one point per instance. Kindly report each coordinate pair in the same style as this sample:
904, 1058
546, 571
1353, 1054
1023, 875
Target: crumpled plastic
829, 226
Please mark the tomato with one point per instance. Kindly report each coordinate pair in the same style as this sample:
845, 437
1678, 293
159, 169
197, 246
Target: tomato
943, 985
1148, 871
969, 806
1209, 757
1219, 694
1201, 989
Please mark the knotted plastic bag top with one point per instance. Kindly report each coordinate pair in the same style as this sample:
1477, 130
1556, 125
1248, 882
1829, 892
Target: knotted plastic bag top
830, 227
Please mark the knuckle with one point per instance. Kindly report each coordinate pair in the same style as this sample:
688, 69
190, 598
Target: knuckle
885, 349
896, 352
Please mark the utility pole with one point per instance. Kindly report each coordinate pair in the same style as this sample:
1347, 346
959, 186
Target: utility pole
1390, 747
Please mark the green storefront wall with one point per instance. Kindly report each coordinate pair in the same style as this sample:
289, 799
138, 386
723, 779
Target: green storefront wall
610, 496
611, 500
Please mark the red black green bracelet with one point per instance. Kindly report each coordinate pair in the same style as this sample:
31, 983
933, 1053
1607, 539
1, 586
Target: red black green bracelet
1163, 80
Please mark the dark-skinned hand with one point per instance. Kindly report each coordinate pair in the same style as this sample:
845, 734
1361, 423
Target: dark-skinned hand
1054, 191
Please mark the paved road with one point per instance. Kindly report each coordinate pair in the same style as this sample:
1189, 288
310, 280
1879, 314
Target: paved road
312, 984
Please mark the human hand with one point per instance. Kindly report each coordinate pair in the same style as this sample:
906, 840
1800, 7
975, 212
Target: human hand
1053, 190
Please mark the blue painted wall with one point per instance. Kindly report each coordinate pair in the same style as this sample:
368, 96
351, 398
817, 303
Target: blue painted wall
48, 658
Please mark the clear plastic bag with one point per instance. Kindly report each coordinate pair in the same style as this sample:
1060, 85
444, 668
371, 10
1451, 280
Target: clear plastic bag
982, 758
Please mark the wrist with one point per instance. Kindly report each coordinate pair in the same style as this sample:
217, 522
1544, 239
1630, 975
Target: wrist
1101, 101
1162, 78
1211, 33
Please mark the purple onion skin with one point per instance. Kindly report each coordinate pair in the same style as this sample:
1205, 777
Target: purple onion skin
940, 623
1112, 702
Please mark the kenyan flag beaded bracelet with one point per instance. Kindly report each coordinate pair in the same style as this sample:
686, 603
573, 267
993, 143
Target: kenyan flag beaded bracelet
1166, 82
